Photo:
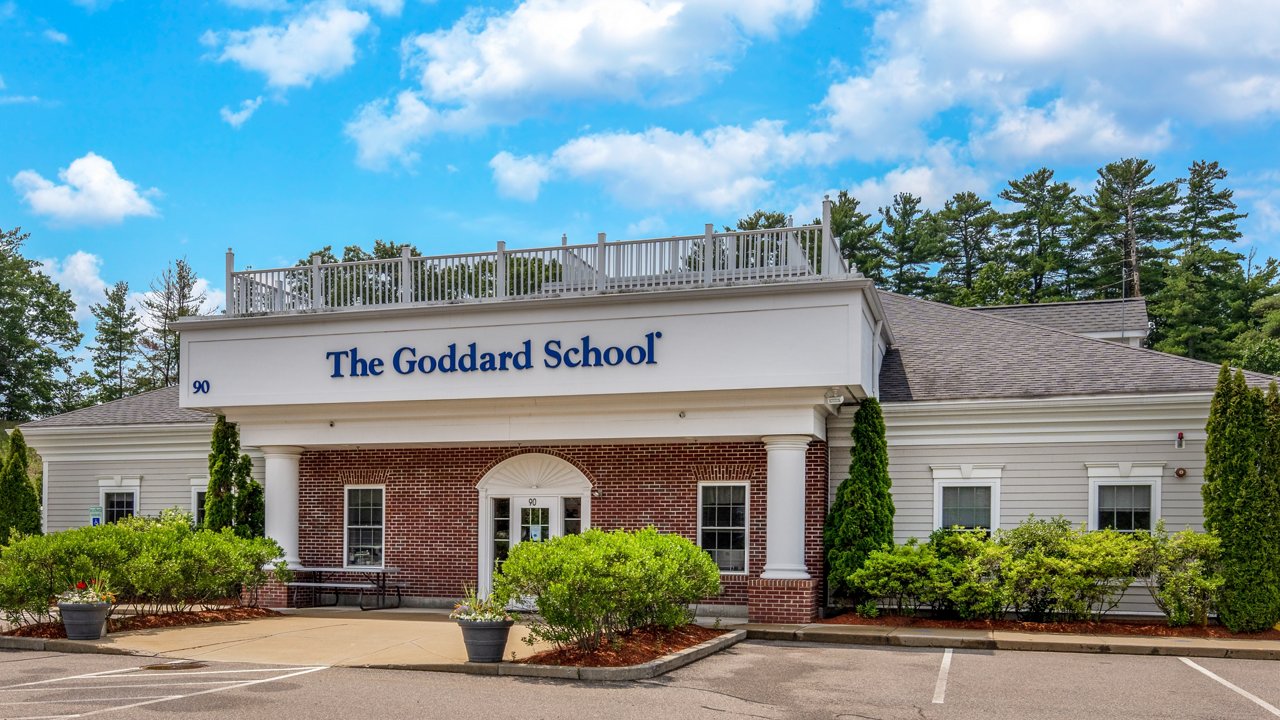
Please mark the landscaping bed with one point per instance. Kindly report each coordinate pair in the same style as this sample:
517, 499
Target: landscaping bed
632, 648
1086, 627
54, 630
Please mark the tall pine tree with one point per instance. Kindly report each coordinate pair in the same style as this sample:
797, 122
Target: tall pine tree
861, 517
1129, 221
910, 239
859, 238
967, 245
1040, 228
115, 355
174, 295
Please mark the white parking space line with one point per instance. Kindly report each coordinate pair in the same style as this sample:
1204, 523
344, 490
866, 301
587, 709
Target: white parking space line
1234, 688
119, 680
940, 689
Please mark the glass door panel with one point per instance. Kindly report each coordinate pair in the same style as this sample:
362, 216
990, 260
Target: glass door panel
535, 523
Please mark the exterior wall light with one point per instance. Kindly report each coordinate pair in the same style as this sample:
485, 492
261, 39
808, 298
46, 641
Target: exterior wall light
834, 397
1180, 442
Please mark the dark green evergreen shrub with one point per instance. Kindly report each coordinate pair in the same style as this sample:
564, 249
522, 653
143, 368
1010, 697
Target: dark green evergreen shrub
233, 498
589, 588
19, 506
860, 520
1242, 500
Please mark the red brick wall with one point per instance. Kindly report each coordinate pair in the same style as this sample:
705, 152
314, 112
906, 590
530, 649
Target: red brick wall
432, 502
783, 601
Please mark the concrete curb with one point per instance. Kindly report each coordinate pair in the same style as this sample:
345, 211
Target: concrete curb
8, 642
643, 671
1003, 640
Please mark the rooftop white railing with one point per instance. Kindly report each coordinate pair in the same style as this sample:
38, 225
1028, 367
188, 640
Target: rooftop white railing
711, 259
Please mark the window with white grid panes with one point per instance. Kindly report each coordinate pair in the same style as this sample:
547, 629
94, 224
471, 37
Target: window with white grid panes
722, 524
365, 526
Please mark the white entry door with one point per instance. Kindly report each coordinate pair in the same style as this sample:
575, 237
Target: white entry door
533, 518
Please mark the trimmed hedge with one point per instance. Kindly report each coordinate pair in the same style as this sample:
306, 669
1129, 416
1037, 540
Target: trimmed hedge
1042, 570
591, 587
160, 564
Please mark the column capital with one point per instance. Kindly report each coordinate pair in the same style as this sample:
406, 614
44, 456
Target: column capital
285, 450
785, 442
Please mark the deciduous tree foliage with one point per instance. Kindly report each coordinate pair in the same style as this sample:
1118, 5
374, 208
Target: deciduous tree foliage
19, 506
38, 335
860, 520
1242, 500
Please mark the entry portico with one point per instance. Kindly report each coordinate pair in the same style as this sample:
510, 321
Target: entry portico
699, 408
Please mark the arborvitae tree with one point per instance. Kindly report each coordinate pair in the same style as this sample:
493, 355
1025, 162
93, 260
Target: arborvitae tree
19, 505
38, 334
224, 462
1129, 215
250, 502
173, 296
861, 518
967, 245
859, 238
1195, 312
1241, 504
910, 242
1039, 228
115, 356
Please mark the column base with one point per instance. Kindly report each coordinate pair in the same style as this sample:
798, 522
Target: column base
782, 601
275, 594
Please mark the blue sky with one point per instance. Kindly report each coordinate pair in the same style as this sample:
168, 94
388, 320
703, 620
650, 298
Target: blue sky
133, 132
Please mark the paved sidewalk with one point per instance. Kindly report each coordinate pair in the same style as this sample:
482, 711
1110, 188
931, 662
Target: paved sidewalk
320, 636
1005, 640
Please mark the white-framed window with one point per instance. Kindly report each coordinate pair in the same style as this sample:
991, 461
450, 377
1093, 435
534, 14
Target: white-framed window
199, 490
1124, 496
966, 496
119, 496
364, 513
723, 510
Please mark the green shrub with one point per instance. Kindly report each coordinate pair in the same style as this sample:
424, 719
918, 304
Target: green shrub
967, 575
904, 575
19, 505
860, 520
159, 564
1095, 571
1182, 571
591, 587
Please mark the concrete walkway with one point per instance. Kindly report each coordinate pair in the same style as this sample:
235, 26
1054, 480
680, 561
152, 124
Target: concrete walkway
321, 636
1005, 640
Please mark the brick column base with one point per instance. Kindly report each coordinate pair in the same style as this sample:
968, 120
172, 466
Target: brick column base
275, 594
782, 601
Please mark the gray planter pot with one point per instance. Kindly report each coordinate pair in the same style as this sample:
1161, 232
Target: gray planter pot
84, 621
485, 640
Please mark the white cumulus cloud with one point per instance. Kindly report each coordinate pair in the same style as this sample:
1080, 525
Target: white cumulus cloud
518, 178
1066, 130
236, 118
317, 43
56, 37
91, 193
81, 274
502, 68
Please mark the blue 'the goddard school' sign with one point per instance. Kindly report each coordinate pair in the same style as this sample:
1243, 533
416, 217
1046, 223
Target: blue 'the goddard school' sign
408, 361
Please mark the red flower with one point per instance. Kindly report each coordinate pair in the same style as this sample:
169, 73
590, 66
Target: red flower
81, 586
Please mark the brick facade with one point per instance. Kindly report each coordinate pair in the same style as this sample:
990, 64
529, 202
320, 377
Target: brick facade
432, 505
783, 601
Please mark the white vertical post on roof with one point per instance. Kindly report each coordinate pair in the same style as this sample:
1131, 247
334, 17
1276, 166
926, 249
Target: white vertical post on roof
500, 271
281, 498
784, 542
600, 262
406, 277
231, 293
708, 237
830, 256
316, 293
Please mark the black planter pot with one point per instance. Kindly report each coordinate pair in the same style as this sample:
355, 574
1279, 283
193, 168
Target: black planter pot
486, 640
84, 621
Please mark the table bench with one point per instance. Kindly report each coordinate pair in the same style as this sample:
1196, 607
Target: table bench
374, 582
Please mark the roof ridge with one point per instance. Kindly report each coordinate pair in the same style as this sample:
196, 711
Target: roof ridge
1098, 301
1077, 336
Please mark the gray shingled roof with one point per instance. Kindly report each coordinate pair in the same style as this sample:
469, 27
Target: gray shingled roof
154, 407
1085, 316
949, 353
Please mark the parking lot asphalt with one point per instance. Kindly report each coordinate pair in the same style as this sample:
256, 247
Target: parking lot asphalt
754, 679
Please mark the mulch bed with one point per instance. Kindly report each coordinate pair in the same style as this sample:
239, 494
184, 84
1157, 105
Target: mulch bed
54, 630
633, 648
1088, 627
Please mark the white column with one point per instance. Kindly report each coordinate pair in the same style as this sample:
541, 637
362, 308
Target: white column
786, 478
281, 491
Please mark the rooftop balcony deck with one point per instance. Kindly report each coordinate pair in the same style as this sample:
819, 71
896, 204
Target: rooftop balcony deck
712, 259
